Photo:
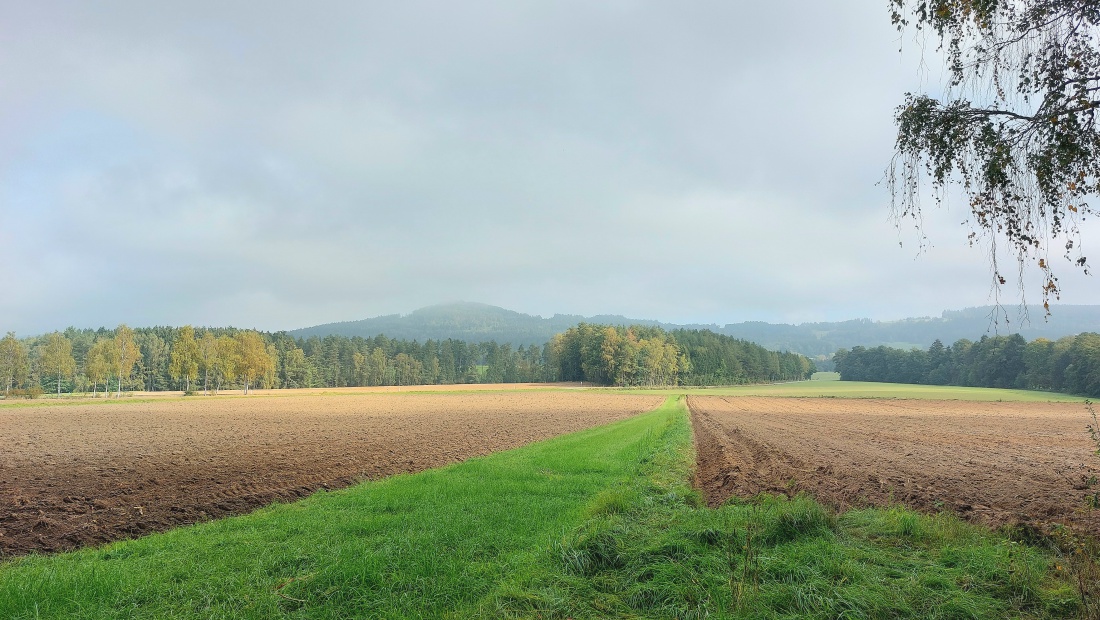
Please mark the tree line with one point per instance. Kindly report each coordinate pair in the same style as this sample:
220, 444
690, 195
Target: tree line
1070, 364
646, 355
209, 360
214, 359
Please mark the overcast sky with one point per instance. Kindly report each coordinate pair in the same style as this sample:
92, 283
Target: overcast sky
279, 165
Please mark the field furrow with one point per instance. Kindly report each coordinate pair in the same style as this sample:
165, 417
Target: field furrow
990, 462
72, 476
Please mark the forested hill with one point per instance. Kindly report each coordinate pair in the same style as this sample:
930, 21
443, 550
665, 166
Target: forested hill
824, 339
470, 322
475, 323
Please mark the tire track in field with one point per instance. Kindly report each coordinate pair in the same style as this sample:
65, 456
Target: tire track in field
73, 476
731, 463
994, 463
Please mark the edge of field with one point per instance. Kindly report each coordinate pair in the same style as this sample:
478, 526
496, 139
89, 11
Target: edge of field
51, 400
866, 389
600, 523
796, 389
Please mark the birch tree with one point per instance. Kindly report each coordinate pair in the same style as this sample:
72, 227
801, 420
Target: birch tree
253, 358
97, 364
208, 356
125, 354
184, 360
1016, 127
14, 363
226, 360
55, 358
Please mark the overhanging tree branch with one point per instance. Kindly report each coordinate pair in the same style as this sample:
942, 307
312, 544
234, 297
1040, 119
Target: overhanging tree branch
1029, 171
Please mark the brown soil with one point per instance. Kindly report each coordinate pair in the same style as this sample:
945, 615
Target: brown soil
87, 397
994, 463
77, 475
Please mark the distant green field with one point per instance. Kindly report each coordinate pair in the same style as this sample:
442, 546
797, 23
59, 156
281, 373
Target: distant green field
860, 389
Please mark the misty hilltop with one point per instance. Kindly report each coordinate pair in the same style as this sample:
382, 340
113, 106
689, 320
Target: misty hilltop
468, 321
477, 322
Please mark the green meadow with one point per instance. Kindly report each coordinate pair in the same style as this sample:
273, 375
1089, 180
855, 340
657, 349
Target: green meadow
865, 389
596, 524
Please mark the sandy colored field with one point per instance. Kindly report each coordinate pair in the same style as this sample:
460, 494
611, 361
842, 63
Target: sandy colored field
99, 398
990, 462
76, 475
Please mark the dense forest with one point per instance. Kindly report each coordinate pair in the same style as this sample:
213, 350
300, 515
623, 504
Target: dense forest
645, 355
1070, 364
210, 360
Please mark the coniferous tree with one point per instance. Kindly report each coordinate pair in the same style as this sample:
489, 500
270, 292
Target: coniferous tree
156, 354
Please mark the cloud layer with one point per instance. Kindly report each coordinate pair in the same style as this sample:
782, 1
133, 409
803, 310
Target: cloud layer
209, 163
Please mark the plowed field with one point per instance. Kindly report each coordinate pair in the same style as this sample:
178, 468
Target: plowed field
86, 474
990, 462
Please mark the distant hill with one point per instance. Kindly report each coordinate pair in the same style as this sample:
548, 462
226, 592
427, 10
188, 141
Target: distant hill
823, 339
475, 322
472, 322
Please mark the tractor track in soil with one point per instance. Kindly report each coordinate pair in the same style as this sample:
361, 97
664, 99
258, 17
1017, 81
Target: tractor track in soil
994, 463
78, 475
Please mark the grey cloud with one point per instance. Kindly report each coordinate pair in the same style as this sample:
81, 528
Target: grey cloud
205, 162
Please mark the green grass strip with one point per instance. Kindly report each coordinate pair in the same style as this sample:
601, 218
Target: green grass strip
649, 550
428, 545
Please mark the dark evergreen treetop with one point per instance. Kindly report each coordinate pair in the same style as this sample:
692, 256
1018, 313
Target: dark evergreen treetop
1070, 364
